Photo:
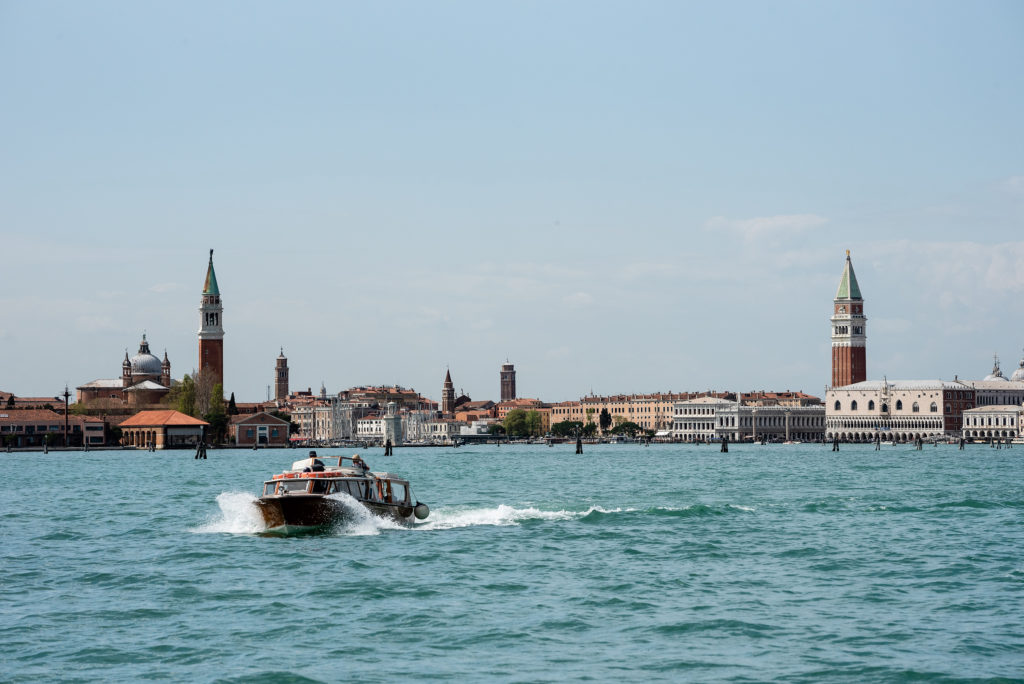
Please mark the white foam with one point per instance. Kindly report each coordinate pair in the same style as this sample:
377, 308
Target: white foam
238, 515
358, 520
503, 515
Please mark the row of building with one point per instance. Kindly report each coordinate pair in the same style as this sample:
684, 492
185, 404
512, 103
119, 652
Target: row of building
854, 408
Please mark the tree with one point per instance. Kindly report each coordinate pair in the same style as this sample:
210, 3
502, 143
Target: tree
605, 420
10, 401
114, 435
232, 409
183, 396
533, 423
205, 385
217, 415
627, 428
567, 428
515, 423
590, 414
496, 429
589, 430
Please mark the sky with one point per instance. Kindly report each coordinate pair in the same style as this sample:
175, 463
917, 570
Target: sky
615, 197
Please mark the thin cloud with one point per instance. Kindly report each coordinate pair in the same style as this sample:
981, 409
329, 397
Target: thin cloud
161, 288
782, 225
1014, 185
578, 298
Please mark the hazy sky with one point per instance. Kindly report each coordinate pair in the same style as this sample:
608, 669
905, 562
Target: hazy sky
615, 196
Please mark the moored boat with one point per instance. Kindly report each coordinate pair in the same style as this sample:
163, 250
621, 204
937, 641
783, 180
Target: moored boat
315, 495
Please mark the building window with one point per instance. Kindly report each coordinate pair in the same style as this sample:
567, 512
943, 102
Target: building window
871, 405
934, 408
853, 405
915, 408
899, 404
837, 406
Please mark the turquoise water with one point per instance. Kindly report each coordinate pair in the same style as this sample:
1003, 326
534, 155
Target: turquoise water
667, 563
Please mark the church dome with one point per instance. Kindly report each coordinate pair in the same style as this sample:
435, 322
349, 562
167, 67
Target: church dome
1018, 375
144, 363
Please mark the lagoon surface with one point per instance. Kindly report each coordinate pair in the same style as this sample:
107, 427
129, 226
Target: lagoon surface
664, 563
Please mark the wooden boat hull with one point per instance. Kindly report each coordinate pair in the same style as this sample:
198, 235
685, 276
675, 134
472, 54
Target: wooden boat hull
294, 512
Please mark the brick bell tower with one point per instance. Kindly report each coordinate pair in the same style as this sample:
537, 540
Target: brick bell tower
447, 394
281, 379
849, 339
211, 334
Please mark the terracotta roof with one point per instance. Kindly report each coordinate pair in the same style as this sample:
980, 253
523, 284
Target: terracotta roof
166, 418
258, 419
28, 415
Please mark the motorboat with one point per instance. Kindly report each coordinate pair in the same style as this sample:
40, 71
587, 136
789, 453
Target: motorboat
318, 493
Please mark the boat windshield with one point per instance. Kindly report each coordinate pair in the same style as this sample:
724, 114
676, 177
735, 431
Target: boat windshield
397, 492
350, 487
292, 486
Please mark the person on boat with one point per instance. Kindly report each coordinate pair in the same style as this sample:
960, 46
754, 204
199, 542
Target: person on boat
359, 462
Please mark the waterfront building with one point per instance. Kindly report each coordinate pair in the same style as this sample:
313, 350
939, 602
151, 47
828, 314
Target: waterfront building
373, 395
761, 415
787, 398
442, 430
849, 336
145, 380
901, 410
694, 419
415, 424
996, 390
211, 329
324, 420
281, 379
992, 422
508, 382
162, 430
37, 427
654, 411
259, 428
370, 427
772, 423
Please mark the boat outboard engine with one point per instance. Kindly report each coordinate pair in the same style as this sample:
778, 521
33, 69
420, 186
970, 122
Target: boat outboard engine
421, 511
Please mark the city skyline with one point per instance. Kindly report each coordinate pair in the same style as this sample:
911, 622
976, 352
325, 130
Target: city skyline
671, 216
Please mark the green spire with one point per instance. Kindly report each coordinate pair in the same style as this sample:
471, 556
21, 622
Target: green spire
848, 288
210, 287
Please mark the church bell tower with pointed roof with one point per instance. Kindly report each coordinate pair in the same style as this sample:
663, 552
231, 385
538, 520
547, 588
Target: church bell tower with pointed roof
849, 337
448, 394
211, 332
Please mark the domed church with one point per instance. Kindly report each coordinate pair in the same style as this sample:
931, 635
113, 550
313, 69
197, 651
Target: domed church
145, 380
1018, 375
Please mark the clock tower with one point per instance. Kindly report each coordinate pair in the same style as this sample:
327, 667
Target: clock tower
849, 339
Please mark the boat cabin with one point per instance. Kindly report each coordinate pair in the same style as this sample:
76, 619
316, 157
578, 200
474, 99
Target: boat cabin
349, 476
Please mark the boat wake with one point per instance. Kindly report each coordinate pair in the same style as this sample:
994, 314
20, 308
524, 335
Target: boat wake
238, 515
503, 515
358, 521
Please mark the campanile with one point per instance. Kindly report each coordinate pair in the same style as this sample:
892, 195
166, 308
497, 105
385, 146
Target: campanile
211, 332
849, 339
